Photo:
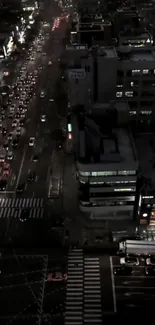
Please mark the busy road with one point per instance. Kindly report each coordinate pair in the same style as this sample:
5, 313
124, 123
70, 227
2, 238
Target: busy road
30, 117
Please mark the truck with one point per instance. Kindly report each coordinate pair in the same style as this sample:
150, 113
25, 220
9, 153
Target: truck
136, 247
54, 187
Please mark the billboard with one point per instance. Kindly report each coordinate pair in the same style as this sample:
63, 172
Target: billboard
76, 73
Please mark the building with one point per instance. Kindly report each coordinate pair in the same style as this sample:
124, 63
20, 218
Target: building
134, 38
107, 165
103, 74
145, 147
92, 29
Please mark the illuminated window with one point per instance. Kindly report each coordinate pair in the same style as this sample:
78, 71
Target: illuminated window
129, 93
135, 72
145, 71
119, 86
132, 113
119, 94
104, 173
126, 172
146, 112
84, 173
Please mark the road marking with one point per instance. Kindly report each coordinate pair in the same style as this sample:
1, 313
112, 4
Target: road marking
137, 276
128, 282
113, 285
135, 266
13, 178
20, 169
6, 192
134, 287
128, 294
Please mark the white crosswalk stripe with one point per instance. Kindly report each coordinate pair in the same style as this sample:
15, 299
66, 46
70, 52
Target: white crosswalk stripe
92, 311
12, 208
74, 289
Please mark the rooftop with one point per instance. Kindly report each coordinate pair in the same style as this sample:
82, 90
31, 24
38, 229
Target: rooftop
98, 145
135, 34
145, 55
107, 51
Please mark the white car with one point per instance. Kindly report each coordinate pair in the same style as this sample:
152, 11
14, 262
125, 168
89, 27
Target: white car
150, 260
42, 94
2, 157
129, 260
10, 155
50, 63
31, 142
43, 118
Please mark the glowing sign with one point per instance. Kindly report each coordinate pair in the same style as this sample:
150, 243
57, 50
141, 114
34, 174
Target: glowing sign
69, 127
76, 73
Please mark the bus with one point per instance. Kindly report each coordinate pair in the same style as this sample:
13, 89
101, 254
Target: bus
136, 247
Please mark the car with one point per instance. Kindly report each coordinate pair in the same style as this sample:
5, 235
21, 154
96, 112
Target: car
150, 271
4, 131
59, 145
20, 188
6, 170
18, 132
1, 123
150, 260
49, 62
9, 137
57, 277
123, 270
31, 176
12, 108
24, 215
2, 157
43, 118
35, 158
15, 142
10, 116
10, 155
20, 108
3, 185
14, 123
21, 122
42, 94
3, 116
17, 115
129, 260
31, 142
6, 145
51, 99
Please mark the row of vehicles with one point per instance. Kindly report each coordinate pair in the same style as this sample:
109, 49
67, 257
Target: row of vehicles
131, 252
13, 113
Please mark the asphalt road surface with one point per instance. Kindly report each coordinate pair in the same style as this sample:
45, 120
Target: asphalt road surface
22, 163
29, 296
36, 193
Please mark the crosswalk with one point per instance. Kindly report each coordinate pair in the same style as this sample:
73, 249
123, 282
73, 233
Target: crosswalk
21, 203
74, 290
83, 291
12, 208
92, 292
